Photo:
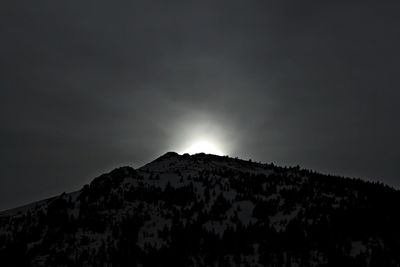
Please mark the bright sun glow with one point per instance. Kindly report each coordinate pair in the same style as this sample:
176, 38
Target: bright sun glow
198, 133
204, 146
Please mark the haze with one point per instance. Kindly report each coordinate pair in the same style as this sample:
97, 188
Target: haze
87, 86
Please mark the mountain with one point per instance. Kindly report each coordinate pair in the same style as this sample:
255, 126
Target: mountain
207, 210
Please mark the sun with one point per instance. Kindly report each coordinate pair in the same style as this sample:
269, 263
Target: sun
203, 146
201, 134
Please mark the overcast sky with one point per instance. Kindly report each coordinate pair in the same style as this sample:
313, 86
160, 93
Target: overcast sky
87, 86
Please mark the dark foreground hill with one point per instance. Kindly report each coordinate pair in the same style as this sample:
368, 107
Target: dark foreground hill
206, 210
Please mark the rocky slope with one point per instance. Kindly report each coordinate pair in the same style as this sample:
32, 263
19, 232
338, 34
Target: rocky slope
207, 210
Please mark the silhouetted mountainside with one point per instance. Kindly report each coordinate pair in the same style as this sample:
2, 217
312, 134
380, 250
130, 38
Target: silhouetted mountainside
206, 210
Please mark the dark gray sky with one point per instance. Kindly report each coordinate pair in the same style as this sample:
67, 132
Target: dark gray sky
87, 86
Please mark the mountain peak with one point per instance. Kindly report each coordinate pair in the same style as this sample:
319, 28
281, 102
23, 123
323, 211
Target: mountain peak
175, 155
170, 154
208, 210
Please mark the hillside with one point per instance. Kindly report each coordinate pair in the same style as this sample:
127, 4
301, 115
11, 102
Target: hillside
207, 210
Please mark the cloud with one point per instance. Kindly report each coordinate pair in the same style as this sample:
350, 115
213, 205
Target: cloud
88, 86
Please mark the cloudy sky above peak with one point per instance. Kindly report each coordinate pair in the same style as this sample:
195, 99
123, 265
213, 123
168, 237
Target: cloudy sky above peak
87, 86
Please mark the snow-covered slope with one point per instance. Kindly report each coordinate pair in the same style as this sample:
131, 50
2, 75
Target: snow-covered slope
207, 210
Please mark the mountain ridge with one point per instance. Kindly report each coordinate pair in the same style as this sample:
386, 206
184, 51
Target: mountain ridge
233, 212
172, 154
